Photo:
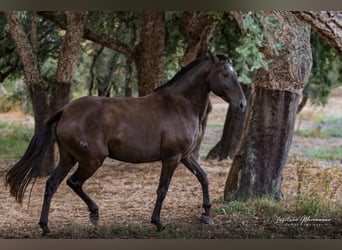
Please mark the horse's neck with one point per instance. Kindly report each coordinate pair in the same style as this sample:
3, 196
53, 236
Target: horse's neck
194, 89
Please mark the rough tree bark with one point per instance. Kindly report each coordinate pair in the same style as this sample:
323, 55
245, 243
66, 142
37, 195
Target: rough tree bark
67, 60
66, 68
149, 54
32, 74
197, 28
328, 24
257, 167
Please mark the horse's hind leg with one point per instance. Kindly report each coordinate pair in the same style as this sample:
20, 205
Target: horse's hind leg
192, 164
66, 162
76, 181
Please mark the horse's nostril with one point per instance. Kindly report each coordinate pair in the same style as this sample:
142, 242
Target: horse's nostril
243, 105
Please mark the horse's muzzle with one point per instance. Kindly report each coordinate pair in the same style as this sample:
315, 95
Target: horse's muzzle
243, 105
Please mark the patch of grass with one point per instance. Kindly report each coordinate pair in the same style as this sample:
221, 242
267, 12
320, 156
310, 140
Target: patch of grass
233, 207
14, 139
326, 154
215, 124
325, 133
288, 206
324, 127
329, 120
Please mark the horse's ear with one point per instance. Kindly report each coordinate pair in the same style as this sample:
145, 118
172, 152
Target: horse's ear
213, 58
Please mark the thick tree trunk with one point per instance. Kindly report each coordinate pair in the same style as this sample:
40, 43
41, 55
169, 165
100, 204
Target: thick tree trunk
149, 54
258, 164
68, 58
197, 28
257, 168
31, 68
67, 64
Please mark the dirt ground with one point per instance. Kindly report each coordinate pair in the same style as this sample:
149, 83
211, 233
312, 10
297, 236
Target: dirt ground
125, 193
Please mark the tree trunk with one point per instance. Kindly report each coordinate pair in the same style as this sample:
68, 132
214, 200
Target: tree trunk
232, 130
93, 71
257, 167
149, 54
128, 76
67, 64
197, 28
104, 88
68, 58
31, 68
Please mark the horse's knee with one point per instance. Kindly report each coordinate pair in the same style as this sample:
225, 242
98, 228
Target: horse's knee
72, 183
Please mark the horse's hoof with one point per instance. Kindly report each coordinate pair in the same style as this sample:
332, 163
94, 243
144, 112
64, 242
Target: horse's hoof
94, 219
160, 227
45, 229
206, 219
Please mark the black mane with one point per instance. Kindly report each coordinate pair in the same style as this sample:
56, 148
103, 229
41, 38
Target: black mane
187, 68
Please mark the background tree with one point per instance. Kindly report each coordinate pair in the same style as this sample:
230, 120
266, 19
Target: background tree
327, 61
326, 72
258, 164
145, 44
27, 53
27, 47
247, 58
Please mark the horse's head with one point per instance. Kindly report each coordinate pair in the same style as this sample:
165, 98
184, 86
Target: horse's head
224, 83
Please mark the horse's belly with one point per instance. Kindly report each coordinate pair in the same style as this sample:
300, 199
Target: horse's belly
134, 151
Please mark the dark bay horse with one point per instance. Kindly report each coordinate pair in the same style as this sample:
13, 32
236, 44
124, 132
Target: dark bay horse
164, 125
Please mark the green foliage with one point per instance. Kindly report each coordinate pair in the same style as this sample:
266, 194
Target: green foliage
244, 48
257, 30
226, 37
119, 25
14, 139
174, 43
326, 71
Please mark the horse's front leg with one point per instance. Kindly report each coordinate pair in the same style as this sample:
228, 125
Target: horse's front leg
168, 168
191, 163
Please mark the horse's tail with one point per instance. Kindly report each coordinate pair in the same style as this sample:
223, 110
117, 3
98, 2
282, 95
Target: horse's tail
21, 173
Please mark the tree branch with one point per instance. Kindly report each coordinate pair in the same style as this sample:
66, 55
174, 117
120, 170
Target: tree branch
328, 24
91, 35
